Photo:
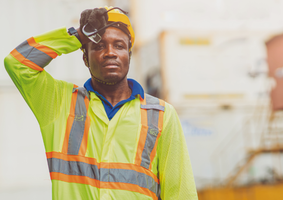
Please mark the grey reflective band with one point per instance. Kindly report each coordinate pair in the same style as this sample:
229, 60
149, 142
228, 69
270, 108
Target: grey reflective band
78, 126
152, 132
156, 107
82, 91
103, 174
33, 54
129, 176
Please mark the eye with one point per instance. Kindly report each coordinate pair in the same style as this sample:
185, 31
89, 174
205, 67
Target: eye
98, 46
120, 46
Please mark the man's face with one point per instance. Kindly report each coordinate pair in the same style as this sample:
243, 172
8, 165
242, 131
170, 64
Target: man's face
109, 59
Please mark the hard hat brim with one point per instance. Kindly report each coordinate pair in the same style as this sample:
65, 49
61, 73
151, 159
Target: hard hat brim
119, 17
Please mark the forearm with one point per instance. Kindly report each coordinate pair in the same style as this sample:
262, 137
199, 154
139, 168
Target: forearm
25, 65
83, 39
36, 52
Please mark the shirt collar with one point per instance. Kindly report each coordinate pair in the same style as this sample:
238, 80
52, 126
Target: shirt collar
134, 86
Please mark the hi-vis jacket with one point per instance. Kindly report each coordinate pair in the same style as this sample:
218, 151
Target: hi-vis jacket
139, 154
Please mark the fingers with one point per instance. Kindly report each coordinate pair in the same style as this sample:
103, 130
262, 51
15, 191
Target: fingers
96, 18
103, 12
84, 17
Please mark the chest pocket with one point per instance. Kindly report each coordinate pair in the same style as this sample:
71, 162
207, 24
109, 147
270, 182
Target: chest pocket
78, 123
152, 111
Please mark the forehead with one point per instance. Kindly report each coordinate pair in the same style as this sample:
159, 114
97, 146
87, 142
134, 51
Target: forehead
113, 34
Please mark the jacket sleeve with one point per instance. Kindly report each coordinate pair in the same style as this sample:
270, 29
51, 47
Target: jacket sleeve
175, 171
25, 65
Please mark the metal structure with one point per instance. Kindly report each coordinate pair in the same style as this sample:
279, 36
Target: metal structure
262, 134
270, 142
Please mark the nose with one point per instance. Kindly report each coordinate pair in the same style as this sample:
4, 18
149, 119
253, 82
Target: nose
110, 52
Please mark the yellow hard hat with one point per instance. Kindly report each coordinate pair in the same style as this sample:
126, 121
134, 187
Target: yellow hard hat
115, 15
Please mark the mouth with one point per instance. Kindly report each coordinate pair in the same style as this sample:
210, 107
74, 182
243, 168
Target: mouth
111, 65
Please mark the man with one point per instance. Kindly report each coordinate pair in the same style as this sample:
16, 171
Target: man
106, 140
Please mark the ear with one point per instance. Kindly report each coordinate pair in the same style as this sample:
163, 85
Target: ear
85, 60
130, 55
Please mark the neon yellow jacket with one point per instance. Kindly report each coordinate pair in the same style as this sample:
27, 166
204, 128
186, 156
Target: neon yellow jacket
110, 146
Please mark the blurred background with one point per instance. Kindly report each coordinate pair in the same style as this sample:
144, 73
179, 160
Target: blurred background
218, 62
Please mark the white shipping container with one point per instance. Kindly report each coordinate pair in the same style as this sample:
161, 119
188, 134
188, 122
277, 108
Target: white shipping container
208, 78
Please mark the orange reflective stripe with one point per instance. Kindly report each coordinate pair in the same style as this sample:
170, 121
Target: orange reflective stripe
101, 184
143, 133
25, 61
70, 121
143, 114
42, 48
129, 187
67, 157
143, 100
151, 130
83, 146
74, 179
33, 55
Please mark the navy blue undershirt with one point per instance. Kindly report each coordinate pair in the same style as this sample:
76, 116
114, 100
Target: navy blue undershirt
109, 109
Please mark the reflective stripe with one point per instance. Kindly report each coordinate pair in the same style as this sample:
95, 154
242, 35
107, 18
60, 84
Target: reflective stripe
35, 53
93, 161
151, 130
42, 48
67, 168
77, 130
129, 176
102, 185
102, 174
73, 168
25, 61
143, 133
156, 107
77, 124
70, 121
